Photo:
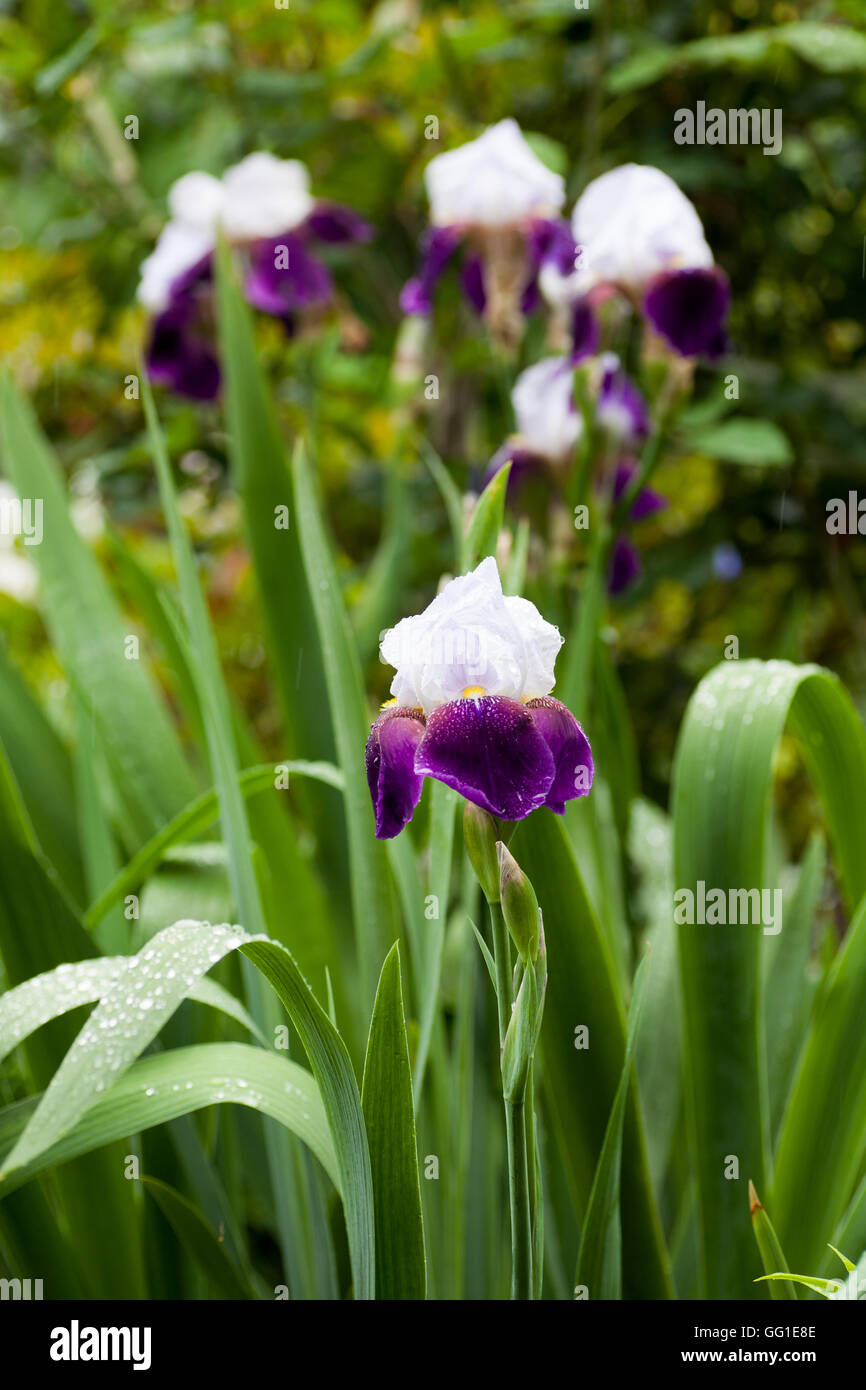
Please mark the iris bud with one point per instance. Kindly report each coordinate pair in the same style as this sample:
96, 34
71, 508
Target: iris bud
480, 834
519, 904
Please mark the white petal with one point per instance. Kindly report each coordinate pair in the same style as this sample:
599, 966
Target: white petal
492, 181
540, 641
196, 200
471, 635
633, 222
547, 418
177, 250
265, 196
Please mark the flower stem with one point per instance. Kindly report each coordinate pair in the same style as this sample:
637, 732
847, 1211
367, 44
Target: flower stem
518, 1185
515, 1125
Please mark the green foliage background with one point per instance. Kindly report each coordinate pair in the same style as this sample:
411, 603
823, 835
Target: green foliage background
347, 88
350, 88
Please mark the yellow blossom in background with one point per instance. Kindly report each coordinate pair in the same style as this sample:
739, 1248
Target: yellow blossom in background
49, 312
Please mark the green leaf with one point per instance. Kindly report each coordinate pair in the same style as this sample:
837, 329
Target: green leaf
39, 931
599, 1265
386, 1096
756, 442
133, 1010
581, 1083
722, 786
33, 1004
332, 1069
443, 808
367, 860
128, 1017
657, 1053
790, 989
192, 821
828, 1288
829, 47
212, 695
199, 1241
451, 495
385, 574
641, 69
772, 1255
261, 474
483, 533
165, 1086
815, 1179
88, 632
43, 772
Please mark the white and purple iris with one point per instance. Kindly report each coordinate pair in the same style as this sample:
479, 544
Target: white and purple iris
549, 424
493, 202
472, 708
549, 427
639, 235
264, 205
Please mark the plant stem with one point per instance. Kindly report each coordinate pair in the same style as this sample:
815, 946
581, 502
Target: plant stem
518, 1184
515, 1125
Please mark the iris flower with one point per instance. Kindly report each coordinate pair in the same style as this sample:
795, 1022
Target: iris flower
263, 205
495, 203
472, 708
639, 235
549, 424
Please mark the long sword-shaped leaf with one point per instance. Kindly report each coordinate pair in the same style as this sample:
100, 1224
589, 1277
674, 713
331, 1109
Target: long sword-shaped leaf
39, 931
130, 1015
127, 1018
483, 530
772, 1256
261, 473
199, 816
721, 803
332, 1068
582, 1069
43, 771
368, 864
170, 1084
390, 1118
199, 1241
599, 1266
33, 1004
89, 633
822, 1142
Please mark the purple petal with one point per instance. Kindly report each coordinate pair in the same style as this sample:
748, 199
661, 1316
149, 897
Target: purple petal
550, 242
570, 748
647, 502
688, 309
197, 276
395, 786
621, 403
472, 283
530, 299
489, 750
332, 222
585, 331
284, 277
176, 357
625, 566
437, 248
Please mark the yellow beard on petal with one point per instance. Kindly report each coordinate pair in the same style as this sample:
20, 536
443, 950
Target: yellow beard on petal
472, 692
